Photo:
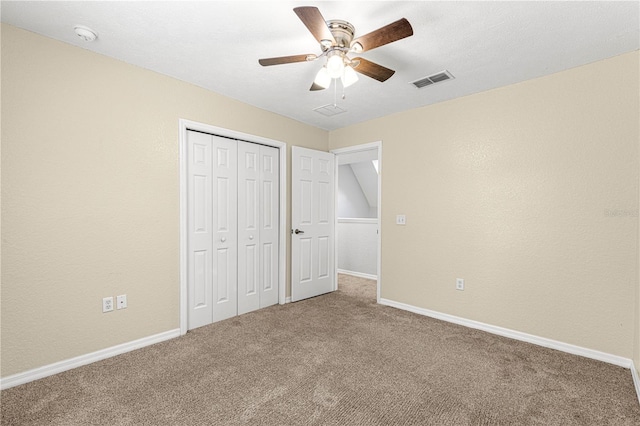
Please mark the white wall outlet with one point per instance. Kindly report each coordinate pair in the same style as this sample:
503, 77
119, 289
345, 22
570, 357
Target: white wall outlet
401, 219
121, 301
107, 304
459, 284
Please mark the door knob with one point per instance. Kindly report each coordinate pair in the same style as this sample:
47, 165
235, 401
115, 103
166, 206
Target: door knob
297, 231
223, 239
251, 237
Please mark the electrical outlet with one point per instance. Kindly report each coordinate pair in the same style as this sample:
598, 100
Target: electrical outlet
459, 284
121, 301
401, 219
107, 304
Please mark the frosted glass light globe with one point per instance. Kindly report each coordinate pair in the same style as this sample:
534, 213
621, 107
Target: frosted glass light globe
335, 66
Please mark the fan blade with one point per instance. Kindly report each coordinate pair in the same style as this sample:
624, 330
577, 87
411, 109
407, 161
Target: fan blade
315, 87
371, 69
313, 20
286, 60
385, 35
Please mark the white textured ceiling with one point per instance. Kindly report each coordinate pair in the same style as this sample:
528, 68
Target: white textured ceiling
217, 44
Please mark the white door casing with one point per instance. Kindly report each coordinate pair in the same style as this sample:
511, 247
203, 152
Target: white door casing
344, 156
313, 223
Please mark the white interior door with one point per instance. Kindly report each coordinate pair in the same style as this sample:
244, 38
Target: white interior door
269, 225
248, 227
233, 198
258, 240
225, 228
200, 234
313, 222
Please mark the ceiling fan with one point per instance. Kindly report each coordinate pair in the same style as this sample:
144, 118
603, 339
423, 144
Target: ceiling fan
336, 38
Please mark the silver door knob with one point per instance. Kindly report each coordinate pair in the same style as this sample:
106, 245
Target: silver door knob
297, 231
251, 237
223, 239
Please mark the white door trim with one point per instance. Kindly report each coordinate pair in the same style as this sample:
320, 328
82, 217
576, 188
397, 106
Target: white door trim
348, 150
183, 126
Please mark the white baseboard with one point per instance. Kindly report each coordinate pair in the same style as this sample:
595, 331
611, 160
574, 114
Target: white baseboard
59, 367
517, 335
287, 299
636, 380
358, 274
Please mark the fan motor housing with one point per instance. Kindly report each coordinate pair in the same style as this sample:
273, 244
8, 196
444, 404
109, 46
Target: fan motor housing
342, 32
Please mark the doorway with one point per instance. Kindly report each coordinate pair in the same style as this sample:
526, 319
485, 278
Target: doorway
358, 230
279, 149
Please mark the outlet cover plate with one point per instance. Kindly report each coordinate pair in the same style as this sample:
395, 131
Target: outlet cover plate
107, 304
459, 284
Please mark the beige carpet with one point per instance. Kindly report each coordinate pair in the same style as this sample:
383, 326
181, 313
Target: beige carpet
337, 359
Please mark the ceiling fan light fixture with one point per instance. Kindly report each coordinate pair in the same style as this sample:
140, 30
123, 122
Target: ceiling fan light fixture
357, 47
323, 79
349, 76
335, 64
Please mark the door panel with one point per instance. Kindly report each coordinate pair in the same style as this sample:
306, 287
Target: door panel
200, 245
269, 225
312, 214
248, 227
268, 256
258, 202
225, 239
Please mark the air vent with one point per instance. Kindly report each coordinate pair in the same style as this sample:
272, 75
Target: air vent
433, 79
330, 110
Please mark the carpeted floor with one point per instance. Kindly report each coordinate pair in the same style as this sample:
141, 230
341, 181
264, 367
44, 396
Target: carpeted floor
337, 359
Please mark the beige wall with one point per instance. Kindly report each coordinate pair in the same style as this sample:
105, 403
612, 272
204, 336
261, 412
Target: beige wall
90, 195
636, 355
528, 192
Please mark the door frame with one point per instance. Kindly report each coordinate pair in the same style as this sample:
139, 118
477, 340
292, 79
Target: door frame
350, 150
183, 127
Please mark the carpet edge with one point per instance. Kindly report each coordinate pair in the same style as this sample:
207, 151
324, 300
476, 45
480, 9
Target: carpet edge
513, 334
79, 361
636, 379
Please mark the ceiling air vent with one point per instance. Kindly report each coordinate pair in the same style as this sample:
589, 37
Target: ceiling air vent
330, 110
433, 79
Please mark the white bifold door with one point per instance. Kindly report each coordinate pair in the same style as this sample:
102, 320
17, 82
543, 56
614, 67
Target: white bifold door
233, 216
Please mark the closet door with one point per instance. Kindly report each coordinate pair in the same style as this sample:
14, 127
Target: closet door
225, 230
269, 225
199, 222
248, 227
233, 218
258, 216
